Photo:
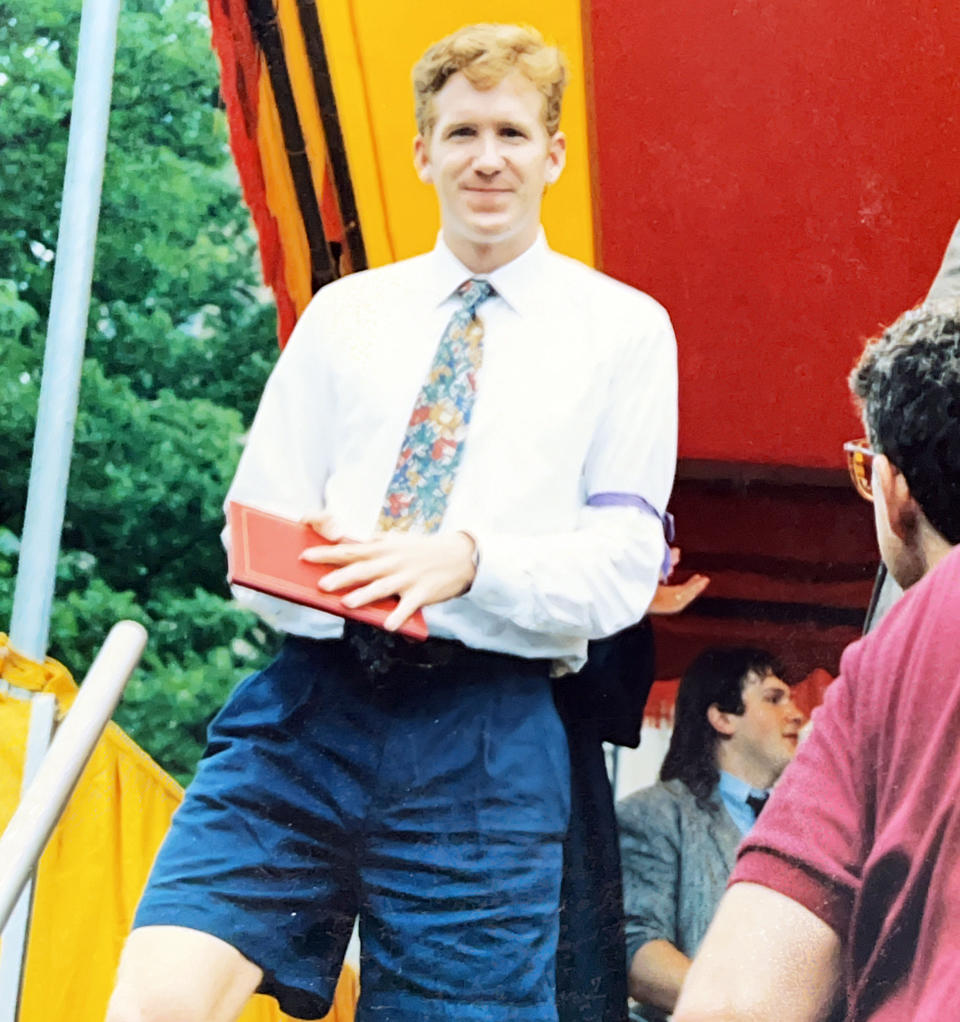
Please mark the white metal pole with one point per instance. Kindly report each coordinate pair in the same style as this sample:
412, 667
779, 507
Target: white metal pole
59, 393
66, 329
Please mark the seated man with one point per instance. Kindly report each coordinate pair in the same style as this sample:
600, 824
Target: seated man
735, 730
850, 881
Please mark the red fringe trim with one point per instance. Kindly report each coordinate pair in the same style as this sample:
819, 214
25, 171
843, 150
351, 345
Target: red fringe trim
240, 65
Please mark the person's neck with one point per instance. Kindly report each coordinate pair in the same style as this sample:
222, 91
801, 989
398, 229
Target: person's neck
920, 555
486, 257
756, 775
935, 548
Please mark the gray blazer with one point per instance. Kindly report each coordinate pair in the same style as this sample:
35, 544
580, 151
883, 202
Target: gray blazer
676, 861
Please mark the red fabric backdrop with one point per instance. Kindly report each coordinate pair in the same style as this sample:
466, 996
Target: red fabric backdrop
783, 177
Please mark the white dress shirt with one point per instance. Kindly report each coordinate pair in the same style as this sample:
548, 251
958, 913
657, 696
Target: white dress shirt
576, 399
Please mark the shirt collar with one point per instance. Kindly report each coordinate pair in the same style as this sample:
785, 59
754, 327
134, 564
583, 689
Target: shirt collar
518, 282
737, 790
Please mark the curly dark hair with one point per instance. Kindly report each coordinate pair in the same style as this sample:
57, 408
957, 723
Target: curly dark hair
908, 384
717, 676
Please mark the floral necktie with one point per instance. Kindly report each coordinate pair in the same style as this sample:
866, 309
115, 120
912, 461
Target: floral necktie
422, 481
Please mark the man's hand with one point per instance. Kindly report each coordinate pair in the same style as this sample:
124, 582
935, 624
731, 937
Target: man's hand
421, 570
674, 599
657, 973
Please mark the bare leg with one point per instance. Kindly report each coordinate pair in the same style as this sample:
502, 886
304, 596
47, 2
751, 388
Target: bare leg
174, 974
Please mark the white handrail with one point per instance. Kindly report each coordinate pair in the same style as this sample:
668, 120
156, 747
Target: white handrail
28, 831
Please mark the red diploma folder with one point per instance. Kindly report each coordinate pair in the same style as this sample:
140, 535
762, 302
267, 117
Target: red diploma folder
265, 555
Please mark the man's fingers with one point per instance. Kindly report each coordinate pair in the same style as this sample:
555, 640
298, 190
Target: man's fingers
352, 575
691, 589
340, 553
674, 599
323, 524
410, 602
378, 589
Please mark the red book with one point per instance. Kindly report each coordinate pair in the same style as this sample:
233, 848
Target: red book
265, 555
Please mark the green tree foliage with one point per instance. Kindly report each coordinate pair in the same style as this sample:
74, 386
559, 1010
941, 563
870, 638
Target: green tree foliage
179, 343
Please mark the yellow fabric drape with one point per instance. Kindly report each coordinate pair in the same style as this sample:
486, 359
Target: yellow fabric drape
282, 197
93, 870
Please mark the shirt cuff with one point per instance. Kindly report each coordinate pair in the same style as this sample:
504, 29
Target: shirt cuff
497, 578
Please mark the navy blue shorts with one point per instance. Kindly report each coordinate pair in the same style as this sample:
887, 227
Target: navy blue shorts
433, 802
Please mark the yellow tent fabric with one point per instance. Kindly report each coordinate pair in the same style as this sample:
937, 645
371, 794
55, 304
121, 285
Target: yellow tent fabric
93, 870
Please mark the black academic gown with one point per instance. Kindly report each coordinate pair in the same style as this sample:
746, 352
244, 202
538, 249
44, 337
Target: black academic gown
604, 702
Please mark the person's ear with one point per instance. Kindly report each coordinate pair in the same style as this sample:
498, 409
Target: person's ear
421, 160
556, 156
722, 722
901, 509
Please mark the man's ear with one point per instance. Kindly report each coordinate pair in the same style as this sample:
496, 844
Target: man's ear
722, 722
556, 156
901, 509
421, 160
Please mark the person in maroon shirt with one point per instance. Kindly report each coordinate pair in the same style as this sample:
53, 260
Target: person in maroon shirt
849, 886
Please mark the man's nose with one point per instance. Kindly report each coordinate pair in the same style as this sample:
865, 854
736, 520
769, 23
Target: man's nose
489, 157
794, 713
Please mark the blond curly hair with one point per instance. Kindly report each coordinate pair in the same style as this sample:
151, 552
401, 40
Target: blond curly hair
486, 54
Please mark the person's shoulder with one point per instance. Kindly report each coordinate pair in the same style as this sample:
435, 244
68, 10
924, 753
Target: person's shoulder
938, 586
359, 301
365, 285
583, 282
662, 797
916, 637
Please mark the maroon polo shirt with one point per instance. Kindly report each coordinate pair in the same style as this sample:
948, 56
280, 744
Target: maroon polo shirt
864, 827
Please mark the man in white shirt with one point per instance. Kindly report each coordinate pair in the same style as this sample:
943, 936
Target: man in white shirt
426, 788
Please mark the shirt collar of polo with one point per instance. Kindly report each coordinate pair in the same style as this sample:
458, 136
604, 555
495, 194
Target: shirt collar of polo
518, 282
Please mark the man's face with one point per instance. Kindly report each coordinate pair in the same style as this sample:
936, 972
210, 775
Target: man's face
489, 157
765, 735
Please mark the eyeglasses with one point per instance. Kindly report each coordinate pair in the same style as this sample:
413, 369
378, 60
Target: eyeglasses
860, 457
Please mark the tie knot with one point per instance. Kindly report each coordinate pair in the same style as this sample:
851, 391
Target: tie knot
757, 802
474, 292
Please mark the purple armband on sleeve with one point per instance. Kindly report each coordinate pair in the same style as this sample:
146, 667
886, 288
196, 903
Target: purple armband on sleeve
642, 504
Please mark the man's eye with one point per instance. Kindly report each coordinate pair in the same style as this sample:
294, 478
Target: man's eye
461, 132
512, 133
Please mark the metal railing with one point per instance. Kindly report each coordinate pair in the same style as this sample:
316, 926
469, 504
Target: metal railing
45, 799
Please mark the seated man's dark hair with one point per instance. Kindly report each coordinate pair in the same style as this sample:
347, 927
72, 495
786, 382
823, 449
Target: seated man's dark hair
908, 382
717, 676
